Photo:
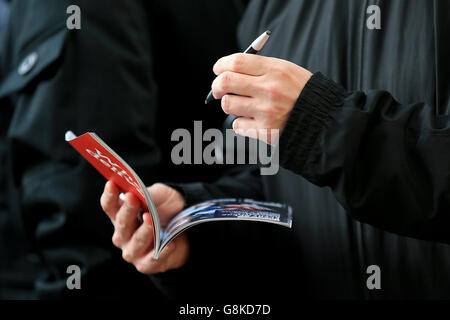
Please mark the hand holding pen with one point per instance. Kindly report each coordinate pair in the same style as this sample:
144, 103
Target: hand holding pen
254, 48
260, 91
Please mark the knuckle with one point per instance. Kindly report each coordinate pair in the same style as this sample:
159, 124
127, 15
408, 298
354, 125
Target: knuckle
276, 69
237, 61
224, 80
158, 186
103, 202
140, 242
116, 240
269, 114
127, 255
129, 206
265, 110
141, 267
163, 267
273, 90
121, 223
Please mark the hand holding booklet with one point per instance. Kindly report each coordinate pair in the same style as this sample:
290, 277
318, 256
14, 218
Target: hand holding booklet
115, 169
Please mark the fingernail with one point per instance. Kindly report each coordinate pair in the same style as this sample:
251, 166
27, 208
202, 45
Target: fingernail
129, 203
107, 188
147, 219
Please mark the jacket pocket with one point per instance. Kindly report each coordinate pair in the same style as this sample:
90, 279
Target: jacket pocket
39, 57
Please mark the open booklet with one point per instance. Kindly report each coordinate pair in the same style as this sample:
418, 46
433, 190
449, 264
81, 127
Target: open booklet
115, 169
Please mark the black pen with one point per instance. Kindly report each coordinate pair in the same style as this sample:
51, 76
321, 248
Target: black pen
254, 48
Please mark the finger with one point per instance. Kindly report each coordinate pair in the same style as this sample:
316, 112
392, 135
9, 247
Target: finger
140, 242
148, 265
159, 193
246, 127
167, 200
110, 200
126, 220
235, 83
238, 105
249, 64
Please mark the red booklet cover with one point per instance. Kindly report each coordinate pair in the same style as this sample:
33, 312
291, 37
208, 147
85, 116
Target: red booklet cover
108, 163
115, 169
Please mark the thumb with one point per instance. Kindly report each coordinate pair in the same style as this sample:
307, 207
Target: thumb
167, 200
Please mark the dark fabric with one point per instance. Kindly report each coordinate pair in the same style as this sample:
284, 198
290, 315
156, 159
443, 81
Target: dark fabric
102, 78
385, 160
189, 37
4, 15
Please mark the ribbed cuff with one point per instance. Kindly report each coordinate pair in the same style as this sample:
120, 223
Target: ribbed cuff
308, 119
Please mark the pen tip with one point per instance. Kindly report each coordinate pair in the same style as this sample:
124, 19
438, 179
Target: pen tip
206, 101
268, 32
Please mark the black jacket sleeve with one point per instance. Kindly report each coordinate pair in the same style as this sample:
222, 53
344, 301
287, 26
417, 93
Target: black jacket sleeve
387, 163
239, 182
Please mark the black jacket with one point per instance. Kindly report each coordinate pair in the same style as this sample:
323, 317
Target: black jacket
103, 78
377, 150
53, 218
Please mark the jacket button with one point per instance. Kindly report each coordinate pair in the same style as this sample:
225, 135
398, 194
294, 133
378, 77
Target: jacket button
28, 63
